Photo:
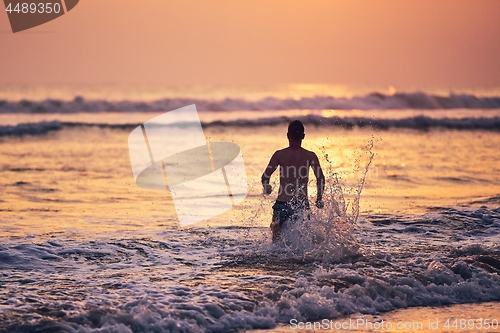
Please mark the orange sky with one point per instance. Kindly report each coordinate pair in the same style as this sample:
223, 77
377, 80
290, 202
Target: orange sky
408, 44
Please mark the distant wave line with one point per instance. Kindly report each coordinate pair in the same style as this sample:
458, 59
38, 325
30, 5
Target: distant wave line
418, 123
374, 101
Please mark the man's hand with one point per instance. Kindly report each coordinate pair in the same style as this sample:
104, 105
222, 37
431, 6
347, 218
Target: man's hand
267, 189
319, 203
275, 226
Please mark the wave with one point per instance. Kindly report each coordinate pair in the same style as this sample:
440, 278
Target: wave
231, 279
30, 128
418, 123
374, 101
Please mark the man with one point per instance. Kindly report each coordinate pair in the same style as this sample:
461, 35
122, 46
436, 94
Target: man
294, 163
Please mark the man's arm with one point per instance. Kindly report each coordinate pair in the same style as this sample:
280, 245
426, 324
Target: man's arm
271, 167
320, 180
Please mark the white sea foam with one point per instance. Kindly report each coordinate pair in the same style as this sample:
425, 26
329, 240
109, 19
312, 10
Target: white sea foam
222, 279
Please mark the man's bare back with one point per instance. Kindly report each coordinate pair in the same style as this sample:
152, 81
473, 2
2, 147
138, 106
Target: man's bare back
294, 164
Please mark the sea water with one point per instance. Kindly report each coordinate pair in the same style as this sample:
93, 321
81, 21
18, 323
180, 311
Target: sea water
413, 220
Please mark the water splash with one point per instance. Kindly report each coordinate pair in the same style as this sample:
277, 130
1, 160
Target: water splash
327, 234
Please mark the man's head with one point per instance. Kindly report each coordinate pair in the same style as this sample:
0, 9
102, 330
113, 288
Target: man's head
295, 131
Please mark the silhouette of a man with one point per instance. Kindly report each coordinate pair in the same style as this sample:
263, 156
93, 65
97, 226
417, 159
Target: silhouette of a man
294, 163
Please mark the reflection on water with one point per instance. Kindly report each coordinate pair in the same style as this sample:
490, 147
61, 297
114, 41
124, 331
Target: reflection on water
81, 177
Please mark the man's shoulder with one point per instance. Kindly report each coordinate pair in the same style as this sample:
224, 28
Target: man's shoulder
281, 151
301, 152
309, 153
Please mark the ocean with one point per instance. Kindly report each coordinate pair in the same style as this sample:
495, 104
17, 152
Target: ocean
411, 219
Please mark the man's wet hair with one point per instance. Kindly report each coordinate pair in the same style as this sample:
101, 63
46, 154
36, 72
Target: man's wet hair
296, 130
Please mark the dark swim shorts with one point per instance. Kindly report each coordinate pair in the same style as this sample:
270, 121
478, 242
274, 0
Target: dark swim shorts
284, 211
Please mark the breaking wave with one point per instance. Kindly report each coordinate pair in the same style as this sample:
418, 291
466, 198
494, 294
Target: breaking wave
30, 128
374, 101
418, 123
